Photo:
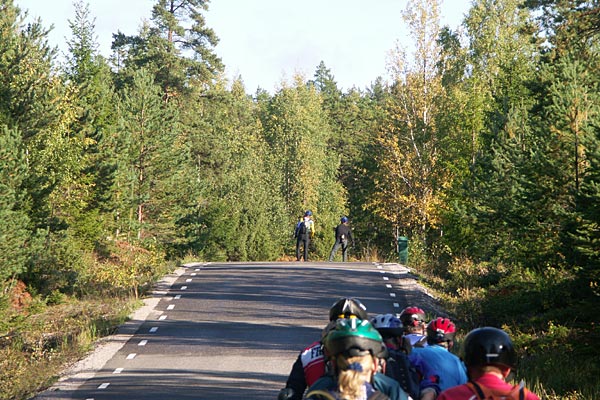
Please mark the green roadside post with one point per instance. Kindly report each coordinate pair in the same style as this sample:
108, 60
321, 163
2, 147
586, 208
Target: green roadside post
403, 249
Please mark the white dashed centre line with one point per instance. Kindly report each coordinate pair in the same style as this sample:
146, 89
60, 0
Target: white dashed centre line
162, 317
194, 274
396, 305
197, 269
183, 287
379, 267
388, 286
177, 297
170, 307
188, 280
393, 294
153, 329
143, 343
118, 371
104, 385
385, 278
131, 356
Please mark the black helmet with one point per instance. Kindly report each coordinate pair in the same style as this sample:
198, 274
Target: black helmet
489, 346
354, 337
347, 307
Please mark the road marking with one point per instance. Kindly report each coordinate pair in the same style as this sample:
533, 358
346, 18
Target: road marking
188, 280
153, 329
131, 356
396, 305
177, 297
382, 272
171, 306
393, 294
103, 386
385, 278
162, 317
194, 274
118, 371
388, 286
183, 287
379, 267
143, 343
197, 269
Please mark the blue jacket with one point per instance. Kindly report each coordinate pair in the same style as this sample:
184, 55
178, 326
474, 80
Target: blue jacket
447, 366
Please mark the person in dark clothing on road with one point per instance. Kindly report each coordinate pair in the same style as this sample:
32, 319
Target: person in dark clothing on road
343, 236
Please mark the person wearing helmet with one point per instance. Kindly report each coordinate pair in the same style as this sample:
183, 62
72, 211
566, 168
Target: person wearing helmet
347, 307
343, 236
354, 348
304, 232
449, 369
413, 319
310, 364
409, 369
490, 356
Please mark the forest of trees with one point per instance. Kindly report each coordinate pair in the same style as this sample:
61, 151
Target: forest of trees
483, 148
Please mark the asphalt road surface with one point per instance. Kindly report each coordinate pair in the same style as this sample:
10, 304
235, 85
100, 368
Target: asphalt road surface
233, 330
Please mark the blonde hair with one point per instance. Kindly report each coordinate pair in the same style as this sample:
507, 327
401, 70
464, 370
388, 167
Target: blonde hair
353, 373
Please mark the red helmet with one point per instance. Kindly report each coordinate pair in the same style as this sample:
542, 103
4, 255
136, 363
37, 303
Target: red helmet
412, 316
440, 330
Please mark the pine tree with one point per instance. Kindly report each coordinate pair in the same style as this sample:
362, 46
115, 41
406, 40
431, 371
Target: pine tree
89, 76
145, 136
587, 236
16, 244
177, 48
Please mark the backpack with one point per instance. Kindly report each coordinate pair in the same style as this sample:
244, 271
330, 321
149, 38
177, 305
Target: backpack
518, 392
398, 367
300, 229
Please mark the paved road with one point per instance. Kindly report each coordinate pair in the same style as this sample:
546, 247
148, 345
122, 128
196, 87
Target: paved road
233, 330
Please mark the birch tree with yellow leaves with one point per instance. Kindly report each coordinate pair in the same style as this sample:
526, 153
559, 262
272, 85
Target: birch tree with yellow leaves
409, 180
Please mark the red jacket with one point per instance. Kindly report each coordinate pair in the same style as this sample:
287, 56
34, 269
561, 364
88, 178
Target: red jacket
313, 362
490, 381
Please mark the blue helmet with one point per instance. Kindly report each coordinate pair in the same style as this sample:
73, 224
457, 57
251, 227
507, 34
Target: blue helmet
308, 213
344, 219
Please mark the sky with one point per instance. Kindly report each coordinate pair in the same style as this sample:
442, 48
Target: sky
267, 42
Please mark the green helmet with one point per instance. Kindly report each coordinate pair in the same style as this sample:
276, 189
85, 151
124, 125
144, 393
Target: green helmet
354, 337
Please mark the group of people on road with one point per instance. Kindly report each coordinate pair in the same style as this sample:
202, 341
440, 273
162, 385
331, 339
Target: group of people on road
305, 232
401, 357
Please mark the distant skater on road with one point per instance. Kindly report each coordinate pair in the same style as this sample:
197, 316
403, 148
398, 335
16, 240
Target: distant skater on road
304, 232
343, 237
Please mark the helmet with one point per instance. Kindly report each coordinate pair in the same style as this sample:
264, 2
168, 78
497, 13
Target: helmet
440, 330
354, 337
347, 307
489, 346
328, 328
344, 220
412, 316
308, 213
388, 325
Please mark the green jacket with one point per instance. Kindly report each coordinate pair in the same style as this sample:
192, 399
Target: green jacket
383, 383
